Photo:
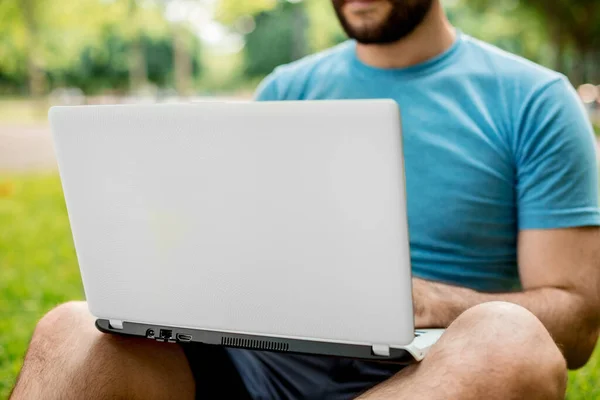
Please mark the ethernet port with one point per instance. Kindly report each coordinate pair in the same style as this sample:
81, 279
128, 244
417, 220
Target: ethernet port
165, 334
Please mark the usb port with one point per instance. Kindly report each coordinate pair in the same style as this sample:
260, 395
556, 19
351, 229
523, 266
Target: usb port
184, 338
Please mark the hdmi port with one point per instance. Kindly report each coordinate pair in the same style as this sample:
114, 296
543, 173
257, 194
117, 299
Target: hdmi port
184, 338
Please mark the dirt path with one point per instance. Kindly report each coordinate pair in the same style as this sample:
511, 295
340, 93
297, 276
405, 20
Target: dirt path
26, 148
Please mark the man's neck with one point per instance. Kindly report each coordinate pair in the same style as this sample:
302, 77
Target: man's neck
431, 38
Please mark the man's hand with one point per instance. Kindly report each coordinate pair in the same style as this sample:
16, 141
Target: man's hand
436, 305
423, 303
560, 275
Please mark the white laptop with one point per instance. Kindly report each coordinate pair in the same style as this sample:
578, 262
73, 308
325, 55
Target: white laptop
275, 226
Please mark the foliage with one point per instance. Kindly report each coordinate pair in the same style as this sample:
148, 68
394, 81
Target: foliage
507, 25
324, 28
563, 34
229, 11
570, 31
85, 43
286, 39
106, 68
121, 44
62, 28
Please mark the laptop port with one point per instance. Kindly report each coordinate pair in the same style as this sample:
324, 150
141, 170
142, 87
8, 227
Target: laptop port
184, 338
165, 334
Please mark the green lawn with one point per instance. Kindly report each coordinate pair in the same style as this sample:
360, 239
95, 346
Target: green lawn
23, 110
38, 270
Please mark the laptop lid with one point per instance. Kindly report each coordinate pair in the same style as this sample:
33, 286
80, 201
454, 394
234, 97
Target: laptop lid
285, 219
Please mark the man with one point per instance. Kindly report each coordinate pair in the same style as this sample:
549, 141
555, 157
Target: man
502, 202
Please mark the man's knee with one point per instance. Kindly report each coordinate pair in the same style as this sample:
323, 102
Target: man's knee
511, 345
63, 319
70, 356
54, 334
62, 334
58, 358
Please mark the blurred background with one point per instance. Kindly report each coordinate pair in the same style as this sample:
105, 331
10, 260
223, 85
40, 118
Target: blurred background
122, 51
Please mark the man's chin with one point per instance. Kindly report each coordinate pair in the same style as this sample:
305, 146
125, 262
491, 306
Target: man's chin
367, 34
366, 30
382, 21
369, 40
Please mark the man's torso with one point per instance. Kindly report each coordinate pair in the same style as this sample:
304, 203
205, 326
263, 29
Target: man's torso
459, 131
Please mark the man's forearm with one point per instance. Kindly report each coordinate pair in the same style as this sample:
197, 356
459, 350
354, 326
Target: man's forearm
565, 314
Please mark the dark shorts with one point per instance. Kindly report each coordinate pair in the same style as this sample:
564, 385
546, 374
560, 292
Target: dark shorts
244, 374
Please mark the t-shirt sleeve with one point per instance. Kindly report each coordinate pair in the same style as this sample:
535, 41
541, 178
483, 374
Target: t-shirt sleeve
557, 172
268, 89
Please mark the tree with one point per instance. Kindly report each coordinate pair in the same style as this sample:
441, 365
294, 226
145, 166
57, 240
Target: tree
279, 38
229, 11
324, 30
570, 28
504, 24
576, 22
38, 37
284, 30
107, 67
30, 10
138, 75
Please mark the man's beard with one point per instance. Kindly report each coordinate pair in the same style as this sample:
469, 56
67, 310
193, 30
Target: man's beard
402, 20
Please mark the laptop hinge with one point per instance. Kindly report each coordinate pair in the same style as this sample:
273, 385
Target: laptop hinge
115, 324
381, 350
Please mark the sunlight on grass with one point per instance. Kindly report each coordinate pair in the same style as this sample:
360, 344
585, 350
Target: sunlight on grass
38, 270
38, 264
23, 111
585, 383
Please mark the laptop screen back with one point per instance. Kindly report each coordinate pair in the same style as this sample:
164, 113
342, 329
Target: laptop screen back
283, 219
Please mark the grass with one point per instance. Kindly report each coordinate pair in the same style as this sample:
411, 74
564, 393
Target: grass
38, 270
38, 267
23, 111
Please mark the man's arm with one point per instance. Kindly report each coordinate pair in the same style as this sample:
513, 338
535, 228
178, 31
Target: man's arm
560, 275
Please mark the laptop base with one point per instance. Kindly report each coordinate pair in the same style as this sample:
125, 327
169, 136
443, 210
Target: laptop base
171, 334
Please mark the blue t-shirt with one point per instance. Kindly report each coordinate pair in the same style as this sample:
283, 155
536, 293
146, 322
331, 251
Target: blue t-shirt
493, 144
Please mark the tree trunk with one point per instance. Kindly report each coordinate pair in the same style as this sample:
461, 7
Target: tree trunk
586, 59
592, 64
558, 39
595, 67
37, 77
579, 67
138, 74
35, 71
182, 62
299, 25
